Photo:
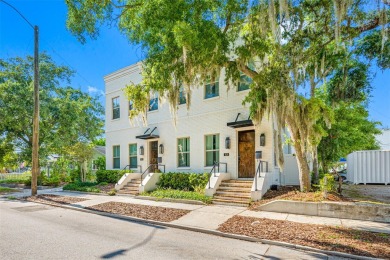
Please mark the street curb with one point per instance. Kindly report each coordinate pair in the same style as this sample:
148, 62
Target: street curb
193, 202
211, 232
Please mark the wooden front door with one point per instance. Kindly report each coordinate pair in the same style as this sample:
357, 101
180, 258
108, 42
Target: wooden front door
153, 155
246, 154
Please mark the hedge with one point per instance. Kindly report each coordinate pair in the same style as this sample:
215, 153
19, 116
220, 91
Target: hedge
183, 181
109, 176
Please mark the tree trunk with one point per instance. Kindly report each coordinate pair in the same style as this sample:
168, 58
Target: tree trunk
315, 166
304, 171
303, 166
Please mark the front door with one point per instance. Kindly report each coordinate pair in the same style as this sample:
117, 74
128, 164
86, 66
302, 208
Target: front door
246, 154
153, 155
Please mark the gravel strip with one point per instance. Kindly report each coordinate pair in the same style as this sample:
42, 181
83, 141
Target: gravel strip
141, 211
318, 236
54, 199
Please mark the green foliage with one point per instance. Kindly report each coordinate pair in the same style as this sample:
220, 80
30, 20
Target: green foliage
16, 178
68, 115
109, 176
7, 190
179, 194
112, 192
100, 163
183, 181
351, 131
82, 186
327, 183
100, 141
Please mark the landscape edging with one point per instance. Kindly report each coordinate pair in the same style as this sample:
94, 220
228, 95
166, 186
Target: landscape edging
209, 231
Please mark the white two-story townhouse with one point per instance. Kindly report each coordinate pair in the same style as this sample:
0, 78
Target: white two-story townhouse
215, 134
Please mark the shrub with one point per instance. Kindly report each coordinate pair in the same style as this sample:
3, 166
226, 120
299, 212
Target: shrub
112, 192
183, 181
327, 183
82, 186
109, 176
179, 194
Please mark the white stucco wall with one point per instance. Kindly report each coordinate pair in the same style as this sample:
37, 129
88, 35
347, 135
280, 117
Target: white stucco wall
206, 116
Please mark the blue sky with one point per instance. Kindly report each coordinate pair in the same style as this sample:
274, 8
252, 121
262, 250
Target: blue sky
110, 52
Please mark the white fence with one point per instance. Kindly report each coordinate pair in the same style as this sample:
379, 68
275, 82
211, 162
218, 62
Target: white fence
369, 167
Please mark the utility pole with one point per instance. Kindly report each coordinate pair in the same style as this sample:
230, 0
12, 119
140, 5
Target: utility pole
35, 139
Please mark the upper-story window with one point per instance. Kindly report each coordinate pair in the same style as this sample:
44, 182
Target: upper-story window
116, 112
182, 96
245, 81
130, 105
153, 102
211, 89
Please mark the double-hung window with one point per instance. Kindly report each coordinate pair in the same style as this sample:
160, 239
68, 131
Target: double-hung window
183, 152
211, 89
133, 155
153, 102
182, 96
212, 149
245, 81
116, 113
116, 156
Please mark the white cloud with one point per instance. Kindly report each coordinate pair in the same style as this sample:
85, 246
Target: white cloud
93, 90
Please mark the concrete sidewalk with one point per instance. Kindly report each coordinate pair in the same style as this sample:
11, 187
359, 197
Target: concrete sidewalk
210, 217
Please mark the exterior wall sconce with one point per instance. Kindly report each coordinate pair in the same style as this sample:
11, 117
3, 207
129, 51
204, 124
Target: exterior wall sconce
258, 155
141, 150
161, 149
262, 139
227, 143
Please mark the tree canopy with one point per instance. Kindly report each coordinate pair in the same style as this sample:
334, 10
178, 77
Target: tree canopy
67, 115
288, 48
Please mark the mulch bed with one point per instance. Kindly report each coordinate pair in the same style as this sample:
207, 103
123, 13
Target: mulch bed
318, 236
141, 211
106, 188
293, 193
54, 199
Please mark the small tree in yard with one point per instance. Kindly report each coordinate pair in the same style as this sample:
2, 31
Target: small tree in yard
81, 153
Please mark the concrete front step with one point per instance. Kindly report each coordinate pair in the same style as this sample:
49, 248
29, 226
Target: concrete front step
130, 188
235, 184
232, 195
241, 203
130, 184
234, 189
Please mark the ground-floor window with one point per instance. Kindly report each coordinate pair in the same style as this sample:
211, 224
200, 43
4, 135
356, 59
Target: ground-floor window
116, 157
133, 155
212, 149
183, 152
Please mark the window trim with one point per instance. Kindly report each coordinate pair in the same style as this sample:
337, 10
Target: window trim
205, 149
189, 152
118, 157
136, 155
113, 108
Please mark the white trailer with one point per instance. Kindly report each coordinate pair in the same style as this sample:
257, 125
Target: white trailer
369, 167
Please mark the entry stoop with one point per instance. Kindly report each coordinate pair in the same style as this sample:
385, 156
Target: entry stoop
131, 188
234, 193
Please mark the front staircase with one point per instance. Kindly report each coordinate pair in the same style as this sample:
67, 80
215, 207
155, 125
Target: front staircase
233, 192
131, 188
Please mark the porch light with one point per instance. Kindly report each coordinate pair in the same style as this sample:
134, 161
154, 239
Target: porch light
262, 139
227, 143
161, 149
141, 150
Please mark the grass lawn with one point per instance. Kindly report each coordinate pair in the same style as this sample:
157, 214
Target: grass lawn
5, 190
178, 194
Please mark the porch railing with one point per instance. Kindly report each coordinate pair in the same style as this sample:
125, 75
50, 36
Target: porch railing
129, 167
156, 166
214, 169
259, 170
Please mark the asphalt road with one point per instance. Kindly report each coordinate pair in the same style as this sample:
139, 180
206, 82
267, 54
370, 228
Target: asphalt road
34, 231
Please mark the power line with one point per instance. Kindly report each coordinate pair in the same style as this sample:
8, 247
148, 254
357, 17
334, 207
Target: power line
16, 10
